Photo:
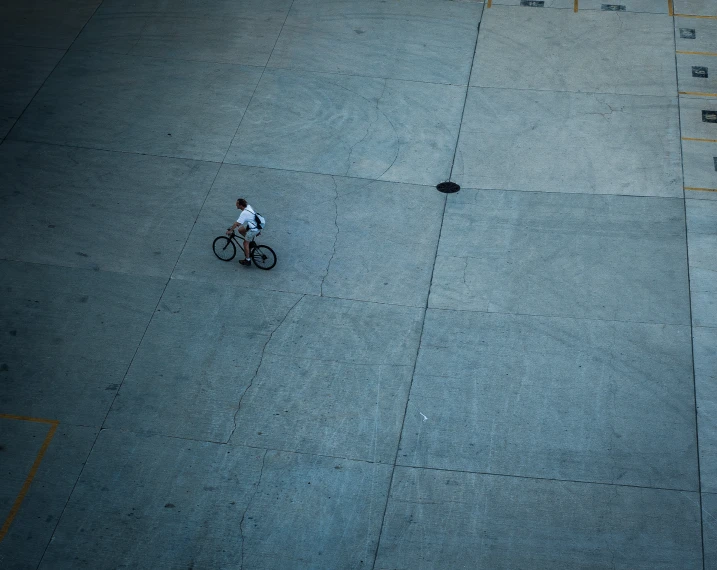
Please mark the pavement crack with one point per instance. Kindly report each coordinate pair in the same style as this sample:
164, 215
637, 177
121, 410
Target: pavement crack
378, 108
336, 237
261, 361
608, 113
248, 505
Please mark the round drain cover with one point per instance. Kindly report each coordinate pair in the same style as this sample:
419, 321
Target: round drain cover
448, 187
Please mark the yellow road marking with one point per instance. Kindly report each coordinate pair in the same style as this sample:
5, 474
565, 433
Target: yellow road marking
27, 419
575, 6
670, 9
694, 16
699, 140
31, 475
698, 94
696, 53
490, 3
701, 189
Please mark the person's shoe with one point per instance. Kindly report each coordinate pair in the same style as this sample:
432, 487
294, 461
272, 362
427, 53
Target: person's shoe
245, 262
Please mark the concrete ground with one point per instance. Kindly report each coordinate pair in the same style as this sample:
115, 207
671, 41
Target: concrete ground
520, 375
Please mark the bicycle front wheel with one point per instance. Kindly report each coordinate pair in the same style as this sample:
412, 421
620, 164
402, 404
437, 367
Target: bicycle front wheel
224, 248
263, 257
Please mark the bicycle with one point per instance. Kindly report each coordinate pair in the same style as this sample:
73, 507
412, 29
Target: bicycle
225, 248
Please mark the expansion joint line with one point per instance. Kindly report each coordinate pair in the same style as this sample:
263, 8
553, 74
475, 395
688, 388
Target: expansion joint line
465, 100
689, 295
258, 367
423, 322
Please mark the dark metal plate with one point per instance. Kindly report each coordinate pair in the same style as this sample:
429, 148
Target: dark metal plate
448, 187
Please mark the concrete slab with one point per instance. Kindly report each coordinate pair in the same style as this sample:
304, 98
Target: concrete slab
394, 40
695, 39
157, 502
696, 73
32, 527
696, 7
709, 521
99, 210
553, 398
191, 369
212, 30
703, 340
700, 164
44, 23
438, 519
696, 114
570, 142
22, 71
333, 381
331, 234
68, 338
350, 126
702, 243
144, 105
315, 512
596, 257
591, 51
349, 331
327, 408
386, 239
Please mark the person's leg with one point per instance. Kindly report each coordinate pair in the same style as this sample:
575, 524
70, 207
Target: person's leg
246, 250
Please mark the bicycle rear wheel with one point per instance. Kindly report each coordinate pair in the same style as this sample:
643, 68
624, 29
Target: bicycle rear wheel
224, 248
263, 257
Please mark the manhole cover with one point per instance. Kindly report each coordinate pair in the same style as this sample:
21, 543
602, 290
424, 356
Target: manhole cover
533, 3
699, 71
688, 33
448, 187
612, 8
709, 116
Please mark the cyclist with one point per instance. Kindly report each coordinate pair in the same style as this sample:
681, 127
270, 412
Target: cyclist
246, 224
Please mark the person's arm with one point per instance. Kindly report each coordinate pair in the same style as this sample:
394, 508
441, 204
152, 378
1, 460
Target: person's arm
235, 225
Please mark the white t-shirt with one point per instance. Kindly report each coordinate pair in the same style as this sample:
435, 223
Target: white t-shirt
246, 218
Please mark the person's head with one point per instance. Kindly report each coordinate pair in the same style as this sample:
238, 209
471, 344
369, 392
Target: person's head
241, 203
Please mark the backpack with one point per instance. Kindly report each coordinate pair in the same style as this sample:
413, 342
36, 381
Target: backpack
259, 220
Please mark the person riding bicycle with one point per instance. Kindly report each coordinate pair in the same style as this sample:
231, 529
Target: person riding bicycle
246, 225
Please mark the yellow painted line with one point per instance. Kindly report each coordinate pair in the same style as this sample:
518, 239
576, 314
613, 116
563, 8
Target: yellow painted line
27, 419
31, 475
696, 93
696, 53
694, 16
670, 8
575, 5
699, 140
490, 3
701, 189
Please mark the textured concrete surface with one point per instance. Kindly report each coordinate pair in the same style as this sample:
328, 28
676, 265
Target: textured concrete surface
22, 71
165, 107
613, 257
548, 49
520, 375
569, 399
573, 523
363, 127
702, 236
591, 143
